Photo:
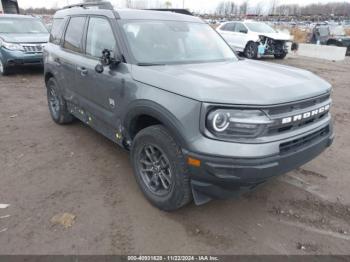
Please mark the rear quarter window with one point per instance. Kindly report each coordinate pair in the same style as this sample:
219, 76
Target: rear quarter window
57, 31
228, 27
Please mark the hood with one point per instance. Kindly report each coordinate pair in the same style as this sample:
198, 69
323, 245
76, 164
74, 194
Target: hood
276, 36
25, 38
240, 82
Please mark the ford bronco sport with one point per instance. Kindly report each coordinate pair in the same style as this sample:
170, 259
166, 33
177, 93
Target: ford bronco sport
199, 122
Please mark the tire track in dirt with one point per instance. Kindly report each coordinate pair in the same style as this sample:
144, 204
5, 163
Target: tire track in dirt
315, 213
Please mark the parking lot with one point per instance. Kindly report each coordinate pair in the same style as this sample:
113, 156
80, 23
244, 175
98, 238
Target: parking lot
47, 170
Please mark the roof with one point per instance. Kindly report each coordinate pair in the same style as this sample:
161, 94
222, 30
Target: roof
129, 14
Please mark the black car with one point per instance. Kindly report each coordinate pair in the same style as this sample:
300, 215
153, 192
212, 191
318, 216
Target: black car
331, 35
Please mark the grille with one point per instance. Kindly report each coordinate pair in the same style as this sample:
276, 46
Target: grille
33, 48
296, 144
297, 109
297, 106
284, 128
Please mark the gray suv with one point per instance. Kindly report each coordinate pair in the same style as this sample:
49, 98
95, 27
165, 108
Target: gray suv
199, 122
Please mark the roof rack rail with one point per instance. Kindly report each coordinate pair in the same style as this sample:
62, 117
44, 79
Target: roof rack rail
174, 10
99, 5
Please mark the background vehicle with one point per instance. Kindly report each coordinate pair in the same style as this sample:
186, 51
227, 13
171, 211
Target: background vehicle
254, 39
9, 7
331, 35
22, 39
196, 123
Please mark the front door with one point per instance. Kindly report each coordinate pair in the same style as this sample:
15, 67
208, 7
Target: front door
100, 92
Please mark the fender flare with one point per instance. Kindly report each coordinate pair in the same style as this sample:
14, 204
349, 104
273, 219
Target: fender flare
157, 111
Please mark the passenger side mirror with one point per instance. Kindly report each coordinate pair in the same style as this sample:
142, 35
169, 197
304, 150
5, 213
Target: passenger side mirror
244, 31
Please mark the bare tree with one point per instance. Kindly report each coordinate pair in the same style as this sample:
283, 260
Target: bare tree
226, 8
273, 7
243, 8
168, 4
259, 9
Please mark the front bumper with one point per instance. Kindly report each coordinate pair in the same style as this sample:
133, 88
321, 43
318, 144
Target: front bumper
20, 58
225, 177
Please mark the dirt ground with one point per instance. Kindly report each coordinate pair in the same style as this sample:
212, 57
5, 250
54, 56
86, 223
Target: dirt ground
47, 170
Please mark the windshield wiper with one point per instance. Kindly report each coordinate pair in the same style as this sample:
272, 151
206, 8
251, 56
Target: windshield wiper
149, 64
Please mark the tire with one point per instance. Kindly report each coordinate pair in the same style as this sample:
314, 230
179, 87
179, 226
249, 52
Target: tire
281, 56
251, 50
4, 70
166, 156
57, 105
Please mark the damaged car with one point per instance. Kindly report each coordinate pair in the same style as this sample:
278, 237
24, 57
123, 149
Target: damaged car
255, 39
331, 35
199, 123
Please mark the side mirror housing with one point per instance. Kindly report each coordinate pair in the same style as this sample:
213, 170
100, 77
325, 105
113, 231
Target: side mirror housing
107, 60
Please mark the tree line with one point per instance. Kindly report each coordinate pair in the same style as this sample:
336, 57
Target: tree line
274, 7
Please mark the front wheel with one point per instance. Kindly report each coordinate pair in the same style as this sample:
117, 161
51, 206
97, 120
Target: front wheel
3, 69
281, 56
160, 168
251, 50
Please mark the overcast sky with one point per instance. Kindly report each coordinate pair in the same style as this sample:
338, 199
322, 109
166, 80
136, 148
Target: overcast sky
195, 5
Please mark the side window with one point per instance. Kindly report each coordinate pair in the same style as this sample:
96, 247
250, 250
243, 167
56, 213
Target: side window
240, 28
99, 37
74, 33
56, 31
229, 27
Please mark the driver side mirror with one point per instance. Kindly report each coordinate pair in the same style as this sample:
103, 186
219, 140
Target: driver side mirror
107, 60
244, 31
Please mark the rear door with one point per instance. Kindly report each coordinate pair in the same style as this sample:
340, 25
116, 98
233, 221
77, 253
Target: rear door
69, 57
228, 33
241, 36
100, 92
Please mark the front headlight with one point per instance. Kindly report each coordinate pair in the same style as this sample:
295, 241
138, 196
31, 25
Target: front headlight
235, 123
11, 46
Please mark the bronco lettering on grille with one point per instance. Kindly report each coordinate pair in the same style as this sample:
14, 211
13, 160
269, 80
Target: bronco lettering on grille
306, 115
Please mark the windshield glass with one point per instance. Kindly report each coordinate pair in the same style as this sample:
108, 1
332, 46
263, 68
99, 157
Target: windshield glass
21, 26
260, 27
170, 42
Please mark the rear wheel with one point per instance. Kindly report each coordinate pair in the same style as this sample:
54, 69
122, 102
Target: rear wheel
251, 50
57, 105
160, 168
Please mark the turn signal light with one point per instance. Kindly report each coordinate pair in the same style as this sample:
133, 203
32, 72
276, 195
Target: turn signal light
193, 162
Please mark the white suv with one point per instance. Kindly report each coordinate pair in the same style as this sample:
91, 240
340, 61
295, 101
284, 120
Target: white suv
254, 39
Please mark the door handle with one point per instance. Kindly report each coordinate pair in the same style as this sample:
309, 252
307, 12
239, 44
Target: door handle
83, 70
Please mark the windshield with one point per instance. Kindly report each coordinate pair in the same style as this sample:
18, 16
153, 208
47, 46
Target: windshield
170, 42
21, 26
260, 28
